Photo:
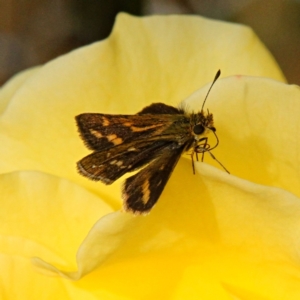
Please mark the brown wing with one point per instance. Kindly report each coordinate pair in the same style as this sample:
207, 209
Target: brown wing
109, 165
157, 121
142, 190
101, 132
160, 108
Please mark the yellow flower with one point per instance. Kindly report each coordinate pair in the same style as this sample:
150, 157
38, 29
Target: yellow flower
212, 235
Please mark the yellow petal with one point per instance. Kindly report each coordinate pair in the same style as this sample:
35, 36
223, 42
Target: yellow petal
42, 209
210, 232
216, 223
45, 216
11, 87
229, 236
257, 124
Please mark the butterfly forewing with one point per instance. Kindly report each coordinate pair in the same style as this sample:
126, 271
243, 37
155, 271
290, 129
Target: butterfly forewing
109, 165
101, 131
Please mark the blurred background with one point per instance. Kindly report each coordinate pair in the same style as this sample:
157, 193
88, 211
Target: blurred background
33, 32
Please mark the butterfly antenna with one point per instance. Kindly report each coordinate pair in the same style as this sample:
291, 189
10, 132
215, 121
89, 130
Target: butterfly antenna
216, 77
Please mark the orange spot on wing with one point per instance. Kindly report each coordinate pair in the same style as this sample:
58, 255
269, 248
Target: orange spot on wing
139, 129
146, 192
96, 133
105, 121
114, 139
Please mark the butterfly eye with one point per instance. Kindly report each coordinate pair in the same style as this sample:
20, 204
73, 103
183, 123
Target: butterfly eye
198, 129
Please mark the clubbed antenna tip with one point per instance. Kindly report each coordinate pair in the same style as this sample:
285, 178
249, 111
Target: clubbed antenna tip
215, 79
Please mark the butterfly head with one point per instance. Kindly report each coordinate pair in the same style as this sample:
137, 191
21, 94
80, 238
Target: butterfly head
202, 124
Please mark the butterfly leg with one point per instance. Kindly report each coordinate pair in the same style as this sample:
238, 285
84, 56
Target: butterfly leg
213, 157
202, 148
194, 151
192, 157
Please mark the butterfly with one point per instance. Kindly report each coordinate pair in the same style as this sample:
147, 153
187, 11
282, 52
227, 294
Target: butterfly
151, 140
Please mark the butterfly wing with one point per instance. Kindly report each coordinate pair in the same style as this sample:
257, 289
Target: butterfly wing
102, 131
160, 108
156, 136
109, 165
142, 190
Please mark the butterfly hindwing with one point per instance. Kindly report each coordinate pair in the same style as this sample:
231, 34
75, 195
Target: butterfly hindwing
159, 108
142, 190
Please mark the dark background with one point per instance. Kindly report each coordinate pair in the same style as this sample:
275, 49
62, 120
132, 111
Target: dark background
33, 32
